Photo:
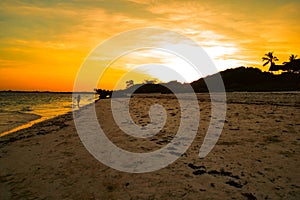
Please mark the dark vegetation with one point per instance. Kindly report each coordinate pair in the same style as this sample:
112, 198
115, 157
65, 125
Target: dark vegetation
252, 80
293, 65
103, 94
164, 88
237, 79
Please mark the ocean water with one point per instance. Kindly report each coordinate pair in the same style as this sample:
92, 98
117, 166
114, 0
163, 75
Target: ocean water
21, 110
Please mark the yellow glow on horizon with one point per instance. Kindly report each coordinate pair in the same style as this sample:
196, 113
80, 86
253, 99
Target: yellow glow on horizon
112, 78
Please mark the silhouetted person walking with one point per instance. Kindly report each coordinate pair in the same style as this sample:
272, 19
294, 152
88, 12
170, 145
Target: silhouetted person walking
78, 101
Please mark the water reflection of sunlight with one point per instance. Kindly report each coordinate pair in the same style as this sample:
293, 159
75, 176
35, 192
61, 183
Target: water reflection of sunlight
56, 105
29, 124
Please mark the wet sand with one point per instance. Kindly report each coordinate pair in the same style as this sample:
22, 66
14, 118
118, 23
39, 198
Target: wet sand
10, 121
256, 157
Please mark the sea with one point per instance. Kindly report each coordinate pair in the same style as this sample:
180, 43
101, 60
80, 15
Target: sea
20, 110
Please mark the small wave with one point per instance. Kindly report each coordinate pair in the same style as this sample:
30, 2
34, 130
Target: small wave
69, 106
11, 120
26, 109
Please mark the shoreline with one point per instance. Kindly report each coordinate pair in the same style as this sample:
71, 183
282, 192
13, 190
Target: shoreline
17, 133
23, 126
150, 95
26, 131
12, 120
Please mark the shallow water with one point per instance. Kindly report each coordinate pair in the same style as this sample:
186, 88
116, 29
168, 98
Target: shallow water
19, 109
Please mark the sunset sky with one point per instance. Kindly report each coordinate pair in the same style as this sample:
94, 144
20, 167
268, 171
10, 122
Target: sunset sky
44, 43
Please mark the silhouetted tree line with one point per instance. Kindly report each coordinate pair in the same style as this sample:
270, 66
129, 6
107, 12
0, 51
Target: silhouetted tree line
293, 65
252, 80
237, 79
104, 94
152, 87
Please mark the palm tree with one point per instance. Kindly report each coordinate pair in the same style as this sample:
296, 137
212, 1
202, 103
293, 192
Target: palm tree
270, 58
291, 65
293, 57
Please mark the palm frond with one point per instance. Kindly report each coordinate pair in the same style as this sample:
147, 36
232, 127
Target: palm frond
266, 63
265, 58
269, 54
293, 57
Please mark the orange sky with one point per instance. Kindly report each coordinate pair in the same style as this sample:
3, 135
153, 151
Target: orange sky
44, 43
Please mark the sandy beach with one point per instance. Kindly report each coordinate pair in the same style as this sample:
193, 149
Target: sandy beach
256, 157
